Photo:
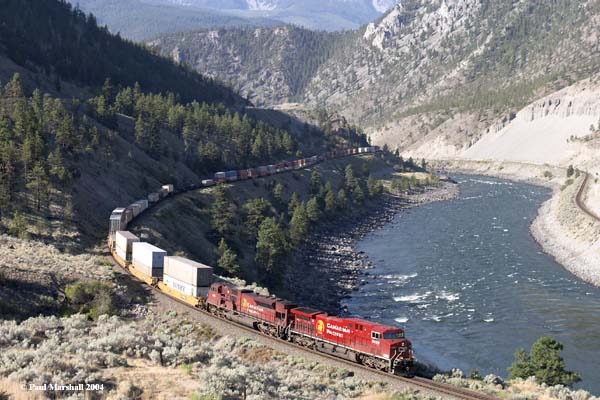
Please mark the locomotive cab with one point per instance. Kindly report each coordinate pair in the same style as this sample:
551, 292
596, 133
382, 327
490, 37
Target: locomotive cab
394, 343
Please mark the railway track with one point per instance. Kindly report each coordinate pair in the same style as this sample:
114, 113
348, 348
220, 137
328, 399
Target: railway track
579, 199
417, 383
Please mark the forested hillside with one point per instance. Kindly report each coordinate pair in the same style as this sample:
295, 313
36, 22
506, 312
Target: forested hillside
63, 43
67, 159
268, 65
428, 71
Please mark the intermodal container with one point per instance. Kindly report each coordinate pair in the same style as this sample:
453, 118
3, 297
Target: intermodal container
148, 259
220, 177
231, 176
125, 240
263, 170
168, 188
122, 254
272, 169
135, 209
253, 173
208, 182
116, 221
182, 287
153, 197
243, 174
188, 271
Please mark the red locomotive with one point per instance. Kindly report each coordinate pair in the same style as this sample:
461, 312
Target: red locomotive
377, 346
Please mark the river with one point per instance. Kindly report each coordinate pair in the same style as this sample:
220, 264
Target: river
470, 285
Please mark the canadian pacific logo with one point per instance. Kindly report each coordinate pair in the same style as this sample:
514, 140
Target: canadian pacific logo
320, 327
244, 303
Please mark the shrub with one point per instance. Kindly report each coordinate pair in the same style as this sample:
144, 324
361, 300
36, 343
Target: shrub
544, 362
570, 171
92, 298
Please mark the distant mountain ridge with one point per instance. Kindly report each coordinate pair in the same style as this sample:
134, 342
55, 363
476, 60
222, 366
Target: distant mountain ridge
146, 19
428, 70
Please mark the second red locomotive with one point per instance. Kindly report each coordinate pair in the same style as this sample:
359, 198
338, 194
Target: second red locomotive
377, 346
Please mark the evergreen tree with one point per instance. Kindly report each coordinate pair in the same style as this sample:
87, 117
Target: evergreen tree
293, 203
278, 194
313, 210
221, 211
350, 180
315, 182
299, 224
140, 131
329, 199
256, 211
57, 167
358, 196
544, 362
38, 183
271, 247
14, 88
227, 259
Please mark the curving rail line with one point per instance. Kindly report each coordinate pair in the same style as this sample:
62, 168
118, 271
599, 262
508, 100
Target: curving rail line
418, 383
579, 199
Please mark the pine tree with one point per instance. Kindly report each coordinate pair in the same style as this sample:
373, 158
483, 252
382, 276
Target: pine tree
271, 247
278, 194
315, 182
313, 210
221, 212
57, 167
14, 88
140, 131
38, 183
299, 224
350, 180
256, 211
544, 362
227, 259
329, 200
293, 203
358, 195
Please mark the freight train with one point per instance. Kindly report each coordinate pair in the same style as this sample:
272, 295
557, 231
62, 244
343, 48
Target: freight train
375, 345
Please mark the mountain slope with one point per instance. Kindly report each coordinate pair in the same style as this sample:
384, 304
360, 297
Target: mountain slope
268, 65
62, 43
69, 155
436, 71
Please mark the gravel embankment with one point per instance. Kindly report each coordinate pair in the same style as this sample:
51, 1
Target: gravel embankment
327, 268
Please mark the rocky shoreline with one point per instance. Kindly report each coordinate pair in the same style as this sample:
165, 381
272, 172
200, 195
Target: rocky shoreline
327, 268
562, 230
